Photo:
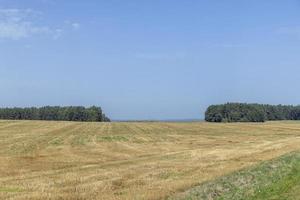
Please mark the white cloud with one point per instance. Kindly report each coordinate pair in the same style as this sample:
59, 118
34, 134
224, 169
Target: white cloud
75, 26
57, 33
17, 24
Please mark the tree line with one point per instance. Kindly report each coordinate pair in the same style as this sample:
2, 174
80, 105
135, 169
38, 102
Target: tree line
55, 113
243, 112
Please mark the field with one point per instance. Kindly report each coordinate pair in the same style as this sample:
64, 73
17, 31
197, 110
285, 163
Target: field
69, 160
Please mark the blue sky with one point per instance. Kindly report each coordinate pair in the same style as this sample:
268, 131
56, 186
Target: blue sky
158, 59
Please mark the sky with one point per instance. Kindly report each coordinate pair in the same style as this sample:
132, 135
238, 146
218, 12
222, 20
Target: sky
141, 59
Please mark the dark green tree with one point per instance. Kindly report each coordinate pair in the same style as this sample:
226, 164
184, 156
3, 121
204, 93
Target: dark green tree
69, 113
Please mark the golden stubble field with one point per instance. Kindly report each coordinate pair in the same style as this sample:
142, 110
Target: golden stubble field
69, 160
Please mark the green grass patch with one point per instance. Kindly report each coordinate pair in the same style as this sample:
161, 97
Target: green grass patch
169, 175
56, 142
80, 140
271, 180
11, 190
112, 138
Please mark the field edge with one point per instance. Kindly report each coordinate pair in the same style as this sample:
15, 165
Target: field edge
278, 178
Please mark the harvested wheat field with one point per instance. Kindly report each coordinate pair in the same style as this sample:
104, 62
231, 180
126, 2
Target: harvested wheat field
69, 160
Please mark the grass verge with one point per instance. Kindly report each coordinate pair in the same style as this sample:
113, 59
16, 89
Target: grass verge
276, 179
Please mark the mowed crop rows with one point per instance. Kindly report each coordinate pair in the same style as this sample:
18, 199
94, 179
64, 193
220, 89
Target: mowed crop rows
69, 160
